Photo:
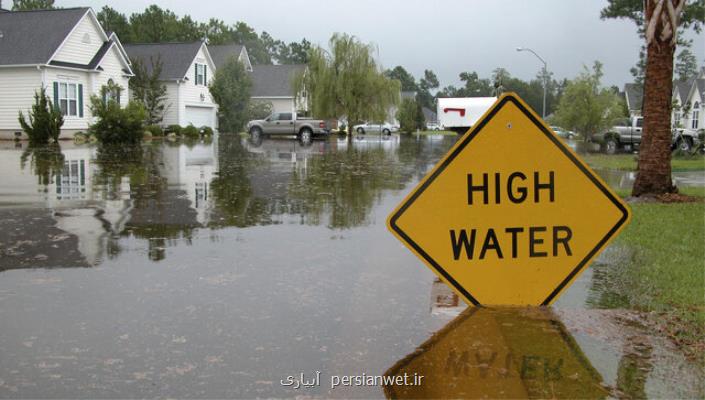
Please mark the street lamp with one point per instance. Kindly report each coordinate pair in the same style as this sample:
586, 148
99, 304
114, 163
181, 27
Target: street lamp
545, 83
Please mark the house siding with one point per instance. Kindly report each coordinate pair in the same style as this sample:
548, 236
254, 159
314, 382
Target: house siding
112, 69
72, 123
190, 93
171, 107
17, 86
75, 50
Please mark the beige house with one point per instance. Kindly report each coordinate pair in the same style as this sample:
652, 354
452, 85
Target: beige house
67, 52
187, 69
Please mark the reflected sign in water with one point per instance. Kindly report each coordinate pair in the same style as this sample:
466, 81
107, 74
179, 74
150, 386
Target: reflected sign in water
504, 353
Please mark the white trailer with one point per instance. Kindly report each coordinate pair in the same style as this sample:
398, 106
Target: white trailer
458, 114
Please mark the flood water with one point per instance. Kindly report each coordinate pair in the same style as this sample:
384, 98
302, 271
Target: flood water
226, 269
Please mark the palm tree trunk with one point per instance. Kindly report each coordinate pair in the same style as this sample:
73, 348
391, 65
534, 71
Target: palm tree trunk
654, 169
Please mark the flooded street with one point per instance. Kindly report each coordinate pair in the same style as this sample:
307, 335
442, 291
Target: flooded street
219, 269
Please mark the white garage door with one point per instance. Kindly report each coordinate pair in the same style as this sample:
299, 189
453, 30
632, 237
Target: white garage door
200, 116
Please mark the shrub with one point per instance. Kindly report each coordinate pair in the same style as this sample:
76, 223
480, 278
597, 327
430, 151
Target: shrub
190, 132
45, 120
116, 124
173, 129
206, 131
154, 130
410, 116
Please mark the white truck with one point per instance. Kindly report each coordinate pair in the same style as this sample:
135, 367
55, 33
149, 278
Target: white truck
458, 114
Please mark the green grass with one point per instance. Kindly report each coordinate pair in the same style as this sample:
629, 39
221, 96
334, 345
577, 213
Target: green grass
627, 162
665, 270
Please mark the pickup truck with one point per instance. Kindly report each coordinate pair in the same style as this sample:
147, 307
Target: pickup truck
287, 123
625, 133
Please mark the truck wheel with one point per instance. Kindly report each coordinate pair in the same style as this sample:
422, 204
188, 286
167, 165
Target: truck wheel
611, 145
387, 132
360, 131
305, 136
256, 135
684, 144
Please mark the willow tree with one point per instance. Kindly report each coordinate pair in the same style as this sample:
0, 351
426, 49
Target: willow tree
346, 82
659, 21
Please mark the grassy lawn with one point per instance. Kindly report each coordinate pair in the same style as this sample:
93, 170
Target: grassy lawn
627, 162
665, 272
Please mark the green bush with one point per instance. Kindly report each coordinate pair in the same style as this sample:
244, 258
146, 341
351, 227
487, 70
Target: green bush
173, 129
116, 124
206, 131
191, 132
45, 120
154, 130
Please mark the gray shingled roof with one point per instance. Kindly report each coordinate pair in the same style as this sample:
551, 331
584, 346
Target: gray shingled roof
701, 88
32, 37
634, 94
176, 57
274, 80
683, 88
220, 53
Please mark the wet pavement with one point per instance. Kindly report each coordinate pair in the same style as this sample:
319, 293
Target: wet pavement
222, 269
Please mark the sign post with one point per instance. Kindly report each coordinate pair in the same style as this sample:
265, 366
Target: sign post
510, 216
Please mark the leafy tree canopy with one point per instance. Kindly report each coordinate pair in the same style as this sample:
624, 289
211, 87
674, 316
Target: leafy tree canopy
585, 106
345, 81
27, 5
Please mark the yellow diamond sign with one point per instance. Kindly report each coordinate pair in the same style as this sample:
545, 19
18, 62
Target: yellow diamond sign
510, 216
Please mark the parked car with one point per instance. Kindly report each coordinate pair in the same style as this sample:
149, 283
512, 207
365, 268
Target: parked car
433, 126
367, 127
626, 133
564, 133
288, 124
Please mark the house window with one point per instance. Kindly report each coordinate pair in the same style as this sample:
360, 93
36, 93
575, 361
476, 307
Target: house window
68, 99
111, 91
201, 74
695, 116
676, 119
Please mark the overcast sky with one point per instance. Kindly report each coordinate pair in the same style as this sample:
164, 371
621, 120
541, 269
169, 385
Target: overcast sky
448, 36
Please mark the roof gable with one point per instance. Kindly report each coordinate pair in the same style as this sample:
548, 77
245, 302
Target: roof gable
274, 80
33, 37
176, 58
681, 89
221, 53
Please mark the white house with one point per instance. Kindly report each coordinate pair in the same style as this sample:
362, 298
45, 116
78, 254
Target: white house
689, 103
273, 84
270, 83
221, 54
187, 69
65, 51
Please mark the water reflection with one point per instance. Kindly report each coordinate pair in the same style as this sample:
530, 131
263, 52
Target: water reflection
499, 353
103, 197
